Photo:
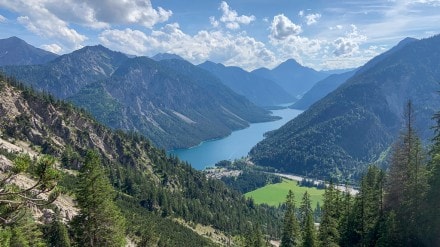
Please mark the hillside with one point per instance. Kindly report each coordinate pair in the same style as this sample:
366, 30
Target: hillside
292, 77
175, 106
67, 74
172, 102
356, 124
258, 90
321, 89
14, 51
154, 190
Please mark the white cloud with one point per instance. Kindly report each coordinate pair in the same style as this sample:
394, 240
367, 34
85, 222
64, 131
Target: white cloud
54, 48
127, 40
217, 46
312, 18
301, 13
2, 19
349, 44
282, 27
54, 18
102, 13
214, 21
231, 19
51, 27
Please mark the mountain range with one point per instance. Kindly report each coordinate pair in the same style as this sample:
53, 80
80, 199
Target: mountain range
158, 194
14, 51
292, 77
259, 90
321, 89
172, 102
357, 123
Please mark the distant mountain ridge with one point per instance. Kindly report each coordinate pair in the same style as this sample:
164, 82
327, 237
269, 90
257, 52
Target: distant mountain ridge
14, 51
321, 89
356, 124
292, 77
259, 90
173, 102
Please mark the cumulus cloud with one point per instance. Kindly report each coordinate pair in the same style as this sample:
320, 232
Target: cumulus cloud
53, 18
282, 27
51, 27
102, 13
231, 18
213, 21
312, 18
349, 44
2, 19
218, 46
54, 48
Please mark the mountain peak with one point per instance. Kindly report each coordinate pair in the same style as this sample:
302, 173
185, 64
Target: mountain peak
15, 51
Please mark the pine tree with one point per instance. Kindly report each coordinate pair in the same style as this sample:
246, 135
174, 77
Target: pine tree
432, 215
57, 235
406, 183
291, 235
99, 222
328, 230
307, 223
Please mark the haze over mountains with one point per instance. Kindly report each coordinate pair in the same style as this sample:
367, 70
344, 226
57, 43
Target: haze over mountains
356, 124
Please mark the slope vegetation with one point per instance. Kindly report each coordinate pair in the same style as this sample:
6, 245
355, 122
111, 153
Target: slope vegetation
356, 124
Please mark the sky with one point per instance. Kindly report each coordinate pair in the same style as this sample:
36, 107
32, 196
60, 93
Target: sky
321, 34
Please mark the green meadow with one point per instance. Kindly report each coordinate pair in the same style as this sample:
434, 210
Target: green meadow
275, 194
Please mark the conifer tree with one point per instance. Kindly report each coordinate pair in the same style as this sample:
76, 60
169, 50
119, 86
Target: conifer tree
328, 230
99, 222
307, 222
432, 215
291, 235
406, 183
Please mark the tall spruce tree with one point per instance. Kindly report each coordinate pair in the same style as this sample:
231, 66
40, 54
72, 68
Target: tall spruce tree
99, 222
432, 214
306, 222
328, 231
406, 183
291, 235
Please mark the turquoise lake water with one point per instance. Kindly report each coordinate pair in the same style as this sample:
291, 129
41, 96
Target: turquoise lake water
234, 146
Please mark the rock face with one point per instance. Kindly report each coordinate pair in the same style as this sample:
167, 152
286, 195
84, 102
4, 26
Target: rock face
356, 124
171, 101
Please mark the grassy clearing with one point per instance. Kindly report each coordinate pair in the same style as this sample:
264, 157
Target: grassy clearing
275, 194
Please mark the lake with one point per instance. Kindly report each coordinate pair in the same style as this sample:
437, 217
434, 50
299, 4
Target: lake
236, 145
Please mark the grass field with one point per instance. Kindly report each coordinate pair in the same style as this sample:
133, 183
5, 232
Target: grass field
275, 194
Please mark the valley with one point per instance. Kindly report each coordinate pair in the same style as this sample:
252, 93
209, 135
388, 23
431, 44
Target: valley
236, 145
175, 124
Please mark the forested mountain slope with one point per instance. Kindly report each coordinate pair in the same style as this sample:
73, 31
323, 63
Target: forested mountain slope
67, 74
175, 105
172, 102
321, 89
153, 189
355, 124
259, 90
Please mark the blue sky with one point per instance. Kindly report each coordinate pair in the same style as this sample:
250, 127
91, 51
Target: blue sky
321, 34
